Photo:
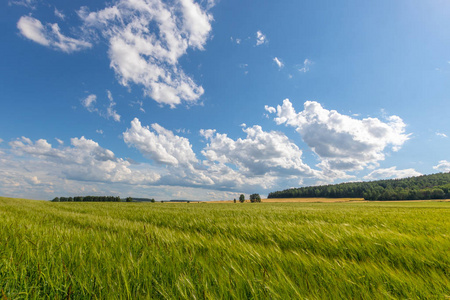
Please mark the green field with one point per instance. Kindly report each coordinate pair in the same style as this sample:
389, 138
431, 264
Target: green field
222, 251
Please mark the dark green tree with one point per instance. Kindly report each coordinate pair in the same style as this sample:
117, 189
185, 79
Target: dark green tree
242, 198
255, 198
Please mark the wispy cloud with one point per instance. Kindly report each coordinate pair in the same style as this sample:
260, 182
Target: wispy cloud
391, 173
59, 14
305, 67
443, 166
49, 35
244, 67
26, 3
110, 111
441, 134
279, 63
90, 104
139, 103
260, 38
236, 40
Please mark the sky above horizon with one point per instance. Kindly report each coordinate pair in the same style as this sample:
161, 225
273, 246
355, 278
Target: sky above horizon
209, 99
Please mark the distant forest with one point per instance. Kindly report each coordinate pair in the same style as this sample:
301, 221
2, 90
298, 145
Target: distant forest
435, 186
92, 199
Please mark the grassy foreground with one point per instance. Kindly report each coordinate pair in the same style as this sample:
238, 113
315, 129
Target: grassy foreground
219, 251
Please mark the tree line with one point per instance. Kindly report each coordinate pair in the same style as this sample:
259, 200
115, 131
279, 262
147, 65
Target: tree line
254, 198
434, 186
92, 199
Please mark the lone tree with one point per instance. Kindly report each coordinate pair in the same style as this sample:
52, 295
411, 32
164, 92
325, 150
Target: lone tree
255, 198
242, 198
234, 200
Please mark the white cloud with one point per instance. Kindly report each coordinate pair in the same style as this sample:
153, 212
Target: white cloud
59, 14
236, 40
146, 40
305, 67
159, 144
1, 141
84, 167
341, 142
244, 67
183, 130
270, 109
259, 161
443, 166
139, 103
389, 173
84, 160
441, 134
59, 141
99, 131
35, 180
279, 63
26, 3
259, 153
260, 38
110, 111
89, 103
49, 35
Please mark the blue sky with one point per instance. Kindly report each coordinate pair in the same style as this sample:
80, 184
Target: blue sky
209, 99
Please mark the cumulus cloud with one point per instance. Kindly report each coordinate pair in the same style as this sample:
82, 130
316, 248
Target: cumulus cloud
261, 160
443, 166
260, 38
257, 161
258, 154
159, 144
49, 35
392, 172
305, 67
279, 63
342, 142
270, 109
146, 40
84, 160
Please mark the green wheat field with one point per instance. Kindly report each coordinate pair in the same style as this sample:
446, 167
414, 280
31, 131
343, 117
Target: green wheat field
352, 250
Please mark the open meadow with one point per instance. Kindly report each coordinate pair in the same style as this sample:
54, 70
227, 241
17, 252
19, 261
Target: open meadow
349, 250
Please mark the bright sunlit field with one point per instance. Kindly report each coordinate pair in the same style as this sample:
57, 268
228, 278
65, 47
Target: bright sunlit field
351, 250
